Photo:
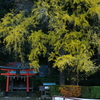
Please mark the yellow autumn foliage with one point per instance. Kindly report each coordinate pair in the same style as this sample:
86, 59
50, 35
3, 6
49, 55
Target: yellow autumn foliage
69, 27
70, 90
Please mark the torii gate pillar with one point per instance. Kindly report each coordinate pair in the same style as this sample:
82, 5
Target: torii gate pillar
7, 85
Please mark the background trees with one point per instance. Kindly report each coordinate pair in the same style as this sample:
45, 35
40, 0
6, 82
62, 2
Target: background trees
66, 31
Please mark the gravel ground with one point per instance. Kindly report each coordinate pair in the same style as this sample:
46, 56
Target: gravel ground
21, 95
18, 98
24, 98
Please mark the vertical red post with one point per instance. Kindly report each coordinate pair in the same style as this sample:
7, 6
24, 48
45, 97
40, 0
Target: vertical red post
27, 81
7, 83
27, 84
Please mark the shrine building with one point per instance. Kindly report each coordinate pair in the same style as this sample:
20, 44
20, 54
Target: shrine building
18, 77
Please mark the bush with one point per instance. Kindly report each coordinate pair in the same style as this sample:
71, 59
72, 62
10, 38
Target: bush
70, 90
54, 90
95, 92
92, 92
85, 92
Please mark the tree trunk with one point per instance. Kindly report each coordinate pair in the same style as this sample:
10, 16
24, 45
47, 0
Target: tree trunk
49, 62
62, 78
98, 62
49, 67
73, 78
62, 74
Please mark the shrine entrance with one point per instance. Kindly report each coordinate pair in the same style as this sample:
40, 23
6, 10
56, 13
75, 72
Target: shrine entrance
18, 83
18, 77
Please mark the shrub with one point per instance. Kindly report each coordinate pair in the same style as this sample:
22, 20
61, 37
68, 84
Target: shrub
95, 92
85, 92
91, 92
54, 90
70, 90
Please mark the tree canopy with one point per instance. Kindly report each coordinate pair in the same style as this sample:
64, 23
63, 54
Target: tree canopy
69, 27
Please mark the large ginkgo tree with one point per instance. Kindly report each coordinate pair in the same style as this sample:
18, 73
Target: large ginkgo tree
69, 27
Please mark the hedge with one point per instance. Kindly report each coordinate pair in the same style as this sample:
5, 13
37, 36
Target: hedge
54, 90
90, 92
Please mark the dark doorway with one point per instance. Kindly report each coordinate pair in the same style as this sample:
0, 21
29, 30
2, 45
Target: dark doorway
18, 83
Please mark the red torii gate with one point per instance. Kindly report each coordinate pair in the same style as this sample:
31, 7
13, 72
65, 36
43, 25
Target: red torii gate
17, 72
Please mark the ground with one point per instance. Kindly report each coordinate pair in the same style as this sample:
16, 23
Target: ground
21, 95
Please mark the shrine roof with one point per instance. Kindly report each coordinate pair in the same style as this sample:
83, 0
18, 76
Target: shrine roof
18, 68
24, 72
17, 65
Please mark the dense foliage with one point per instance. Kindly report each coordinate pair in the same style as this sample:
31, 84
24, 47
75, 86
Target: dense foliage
69, 27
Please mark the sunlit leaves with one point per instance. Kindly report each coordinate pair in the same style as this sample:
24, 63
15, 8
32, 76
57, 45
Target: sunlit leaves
14, 30
68, 29
63, 61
